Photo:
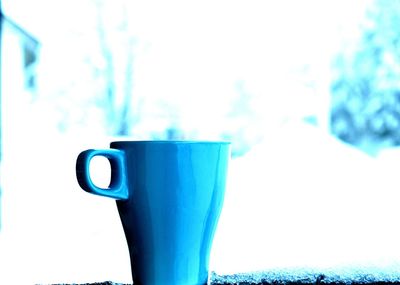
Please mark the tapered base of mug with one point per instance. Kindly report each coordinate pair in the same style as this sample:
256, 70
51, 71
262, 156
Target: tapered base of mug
138, 282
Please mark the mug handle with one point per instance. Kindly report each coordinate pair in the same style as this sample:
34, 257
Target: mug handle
118, 185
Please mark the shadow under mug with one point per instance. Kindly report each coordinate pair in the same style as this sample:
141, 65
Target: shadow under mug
169, 196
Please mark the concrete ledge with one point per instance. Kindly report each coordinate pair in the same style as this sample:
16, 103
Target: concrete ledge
291, 277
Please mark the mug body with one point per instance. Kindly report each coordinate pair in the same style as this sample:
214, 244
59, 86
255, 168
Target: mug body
175, 196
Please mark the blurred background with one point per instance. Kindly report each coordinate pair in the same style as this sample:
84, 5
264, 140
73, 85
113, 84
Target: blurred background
308, 92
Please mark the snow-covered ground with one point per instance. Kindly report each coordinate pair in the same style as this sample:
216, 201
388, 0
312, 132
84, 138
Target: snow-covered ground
304, 199
52, 232
300, 199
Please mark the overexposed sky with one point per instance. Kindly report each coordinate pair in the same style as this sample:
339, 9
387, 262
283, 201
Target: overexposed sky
192, 54
44, 17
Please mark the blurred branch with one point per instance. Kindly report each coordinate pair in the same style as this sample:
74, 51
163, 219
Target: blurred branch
118, 116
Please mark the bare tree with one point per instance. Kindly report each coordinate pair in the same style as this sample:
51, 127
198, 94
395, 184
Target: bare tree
118, 91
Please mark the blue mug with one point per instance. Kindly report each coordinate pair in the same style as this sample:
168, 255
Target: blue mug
169, 196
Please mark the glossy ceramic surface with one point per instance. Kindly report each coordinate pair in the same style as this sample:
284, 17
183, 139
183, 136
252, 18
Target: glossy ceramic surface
169, 197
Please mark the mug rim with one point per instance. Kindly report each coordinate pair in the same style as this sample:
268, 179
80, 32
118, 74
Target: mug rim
119, 142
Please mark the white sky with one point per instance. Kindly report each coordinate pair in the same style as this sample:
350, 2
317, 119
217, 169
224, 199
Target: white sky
192, 54
202, 48
43, 17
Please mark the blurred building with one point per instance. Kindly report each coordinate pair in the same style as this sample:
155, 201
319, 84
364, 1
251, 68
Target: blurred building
19, 53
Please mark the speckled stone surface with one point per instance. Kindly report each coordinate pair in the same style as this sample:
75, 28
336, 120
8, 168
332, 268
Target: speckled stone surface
300, 276
304, 277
